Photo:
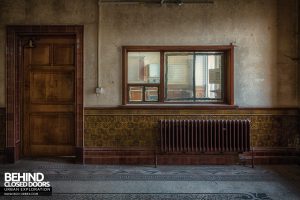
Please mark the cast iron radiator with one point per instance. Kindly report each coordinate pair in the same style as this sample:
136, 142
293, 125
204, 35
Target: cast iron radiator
199, 136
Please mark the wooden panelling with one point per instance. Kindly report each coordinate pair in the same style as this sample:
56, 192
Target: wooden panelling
146, 156
2, 134
63, 55
51, 86
273, 155
40, 54
59, 51
47, 129
119, 156
52, 108
57, 150
48, 92
2, 129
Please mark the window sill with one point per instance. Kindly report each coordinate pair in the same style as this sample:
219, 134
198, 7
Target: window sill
179, 106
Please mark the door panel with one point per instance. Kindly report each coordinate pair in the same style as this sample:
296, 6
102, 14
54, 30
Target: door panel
55, 86
43, 132
40, 55
64, 55
49, 97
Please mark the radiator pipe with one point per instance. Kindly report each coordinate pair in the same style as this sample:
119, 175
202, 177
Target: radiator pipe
99, 88
155, 159
252, 155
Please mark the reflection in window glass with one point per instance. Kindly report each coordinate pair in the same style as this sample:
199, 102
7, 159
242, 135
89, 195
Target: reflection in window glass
151, 93
195, 76
179, 75
208, 76
143, 67
136, 93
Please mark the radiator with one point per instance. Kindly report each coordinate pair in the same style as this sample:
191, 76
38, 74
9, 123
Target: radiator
196, 136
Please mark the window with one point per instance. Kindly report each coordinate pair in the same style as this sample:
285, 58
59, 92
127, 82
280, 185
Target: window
175, 75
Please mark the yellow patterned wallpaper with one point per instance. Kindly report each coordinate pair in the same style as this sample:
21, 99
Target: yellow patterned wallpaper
138, 128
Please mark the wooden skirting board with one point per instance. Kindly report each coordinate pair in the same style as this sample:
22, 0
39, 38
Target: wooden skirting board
148, 157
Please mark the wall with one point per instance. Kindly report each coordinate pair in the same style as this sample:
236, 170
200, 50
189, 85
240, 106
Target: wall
130, 136
138, 128
287, 52
48, 12
265, 61
251, 25
265, 71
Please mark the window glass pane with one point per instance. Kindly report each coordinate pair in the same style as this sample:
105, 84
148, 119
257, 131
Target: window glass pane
201, 76
136, 93
194, 76
208, 76
143, 67
151, 93
179, 76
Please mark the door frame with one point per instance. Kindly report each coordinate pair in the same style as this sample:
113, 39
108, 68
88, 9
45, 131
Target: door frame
14, 85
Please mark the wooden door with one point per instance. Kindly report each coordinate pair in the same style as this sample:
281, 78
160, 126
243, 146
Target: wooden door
49, 96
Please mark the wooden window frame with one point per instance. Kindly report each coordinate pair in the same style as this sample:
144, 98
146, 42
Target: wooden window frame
228, 50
